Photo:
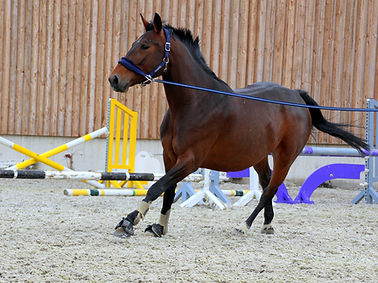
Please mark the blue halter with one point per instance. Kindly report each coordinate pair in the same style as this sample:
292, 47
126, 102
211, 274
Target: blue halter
128, 64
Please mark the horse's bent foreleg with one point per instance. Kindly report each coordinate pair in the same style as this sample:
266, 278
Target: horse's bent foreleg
183, 167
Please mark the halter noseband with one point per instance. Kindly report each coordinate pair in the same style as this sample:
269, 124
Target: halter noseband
128, 64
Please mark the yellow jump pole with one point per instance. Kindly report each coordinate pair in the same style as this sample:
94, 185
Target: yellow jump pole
31, 154
43, 159
61, 148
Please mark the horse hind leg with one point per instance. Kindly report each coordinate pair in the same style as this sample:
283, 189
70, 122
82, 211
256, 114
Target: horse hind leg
263, 171
281, 167
265, 174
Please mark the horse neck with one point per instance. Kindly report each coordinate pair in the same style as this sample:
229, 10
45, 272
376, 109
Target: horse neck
185, 69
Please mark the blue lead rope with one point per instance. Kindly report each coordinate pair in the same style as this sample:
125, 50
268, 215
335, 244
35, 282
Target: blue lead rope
267, 100
128, 64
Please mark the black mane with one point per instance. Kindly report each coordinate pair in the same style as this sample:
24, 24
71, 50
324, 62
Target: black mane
186, 37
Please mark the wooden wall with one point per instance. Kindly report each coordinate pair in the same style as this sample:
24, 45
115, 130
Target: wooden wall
56, 56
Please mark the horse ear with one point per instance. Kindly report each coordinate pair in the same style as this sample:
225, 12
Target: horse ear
145, 23
157, 23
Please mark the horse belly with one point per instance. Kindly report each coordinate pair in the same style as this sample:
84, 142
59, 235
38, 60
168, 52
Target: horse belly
236, 154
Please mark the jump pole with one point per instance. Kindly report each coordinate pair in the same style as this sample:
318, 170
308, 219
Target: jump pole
131, 192
42, 158
348, 171
76, 175
61, 148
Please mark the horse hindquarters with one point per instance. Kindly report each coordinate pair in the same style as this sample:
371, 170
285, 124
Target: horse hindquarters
296, 131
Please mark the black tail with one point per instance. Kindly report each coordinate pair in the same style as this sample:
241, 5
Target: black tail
319, 122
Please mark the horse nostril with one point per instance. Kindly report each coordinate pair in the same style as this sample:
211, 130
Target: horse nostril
114, 80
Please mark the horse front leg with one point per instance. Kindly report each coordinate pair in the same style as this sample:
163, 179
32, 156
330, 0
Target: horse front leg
161, 228
183, 167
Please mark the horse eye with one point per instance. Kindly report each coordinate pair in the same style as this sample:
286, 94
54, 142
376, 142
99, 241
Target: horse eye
144, 47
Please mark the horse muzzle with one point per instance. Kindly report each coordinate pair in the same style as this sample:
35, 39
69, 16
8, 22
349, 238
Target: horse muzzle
117, 85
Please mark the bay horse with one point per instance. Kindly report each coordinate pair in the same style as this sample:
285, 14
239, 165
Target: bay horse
207, 130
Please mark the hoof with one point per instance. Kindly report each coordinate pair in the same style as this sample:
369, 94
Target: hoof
120, 233
267, 229
242, 229
155, 229
124, 229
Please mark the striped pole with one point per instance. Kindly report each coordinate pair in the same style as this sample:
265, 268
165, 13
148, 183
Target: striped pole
77, 175
58, 149
32, 154
43, 157
131, 192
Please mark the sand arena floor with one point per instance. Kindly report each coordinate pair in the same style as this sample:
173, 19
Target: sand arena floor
49, 237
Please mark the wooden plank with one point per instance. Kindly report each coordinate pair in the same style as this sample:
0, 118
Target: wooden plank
68, 130
215, 36
157, 100
77, 68
34, 70
223, 37
198, 19
181, 13
54, 93
92, 66
150, 94
359, 63
2, 42
327, 61
233, 44
318, 55
269, 40
100, 54
107, 67
296, 78
6, 61
137, 96
12, 68
130, 39
83, 92
336, 96
190, 14
62, 68
347, 75
206, 44
165, 10
46, 110
242, 42
260, 40
26, 90
143, 96
288, 44
371, 49
308, 46
42, 49
279, 38
19, 94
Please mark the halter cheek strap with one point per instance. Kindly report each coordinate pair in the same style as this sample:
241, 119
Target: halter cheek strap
128, 64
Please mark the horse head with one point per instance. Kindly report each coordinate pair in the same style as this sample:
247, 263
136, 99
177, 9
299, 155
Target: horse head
146, 54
